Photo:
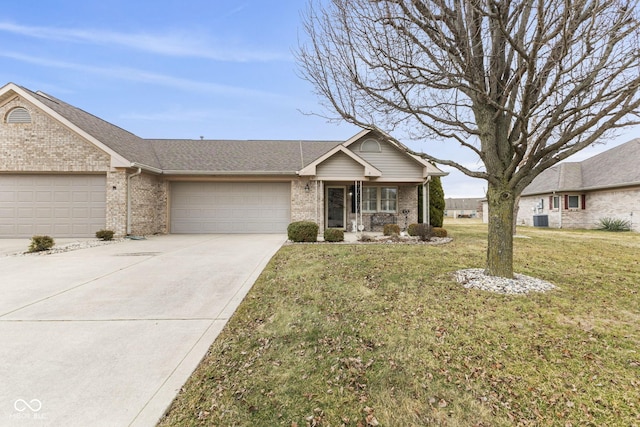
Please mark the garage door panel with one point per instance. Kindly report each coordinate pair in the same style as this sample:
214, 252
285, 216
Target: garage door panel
226, 207
55, 205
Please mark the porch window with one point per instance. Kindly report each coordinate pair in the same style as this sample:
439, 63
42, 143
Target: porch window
388, 199
369, 199
379, 199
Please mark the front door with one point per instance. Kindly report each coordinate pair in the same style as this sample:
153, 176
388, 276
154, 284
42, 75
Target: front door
335, 207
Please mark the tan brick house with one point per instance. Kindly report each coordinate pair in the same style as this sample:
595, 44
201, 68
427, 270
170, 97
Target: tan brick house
579, 194
67, 173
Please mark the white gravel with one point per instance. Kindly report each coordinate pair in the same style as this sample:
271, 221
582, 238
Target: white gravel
66, 247
520, 284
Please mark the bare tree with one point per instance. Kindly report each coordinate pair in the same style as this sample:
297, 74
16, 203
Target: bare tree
523, 84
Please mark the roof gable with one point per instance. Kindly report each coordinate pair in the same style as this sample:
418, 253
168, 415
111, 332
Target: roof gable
311, 169
45, 104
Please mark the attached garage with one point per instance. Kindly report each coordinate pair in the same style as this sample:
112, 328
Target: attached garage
230, 207
53, 205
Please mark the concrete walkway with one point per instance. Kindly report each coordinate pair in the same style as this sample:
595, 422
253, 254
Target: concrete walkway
106, 336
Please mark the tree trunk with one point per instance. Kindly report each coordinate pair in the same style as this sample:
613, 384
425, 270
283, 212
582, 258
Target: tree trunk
500, 239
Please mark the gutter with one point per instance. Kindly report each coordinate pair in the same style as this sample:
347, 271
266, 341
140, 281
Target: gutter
129, 198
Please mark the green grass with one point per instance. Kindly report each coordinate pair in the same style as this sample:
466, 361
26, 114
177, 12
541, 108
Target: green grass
361, 335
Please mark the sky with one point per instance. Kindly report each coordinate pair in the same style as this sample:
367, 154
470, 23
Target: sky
218, 69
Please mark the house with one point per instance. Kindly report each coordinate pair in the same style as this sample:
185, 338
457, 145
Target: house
579, 194
67, 173
463, 208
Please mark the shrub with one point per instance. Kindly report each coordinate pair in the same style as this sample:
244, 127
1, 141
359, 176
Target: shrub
104, 234
391, 229
303, 231
333, 235
439, 232
421, 230
614, 224
41, 243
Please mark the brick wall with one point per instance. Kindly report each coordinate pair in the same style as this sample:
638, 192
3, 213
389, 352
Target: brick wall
303, 202
148, 204
620, 204
45, 145
117, 202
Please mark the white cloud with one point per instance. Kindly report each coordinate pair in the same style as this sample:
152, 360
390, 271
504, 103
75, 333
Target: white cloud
169, 44
132, 74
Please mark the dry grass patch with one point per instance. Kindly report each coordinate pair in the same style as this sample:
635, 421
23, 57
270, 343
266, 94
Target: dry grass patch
365, 335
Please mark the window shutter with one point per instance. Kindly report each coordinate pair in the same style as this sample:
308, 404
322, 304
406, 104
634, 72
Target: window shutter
584, 201
352, 191
550, 202
566, 201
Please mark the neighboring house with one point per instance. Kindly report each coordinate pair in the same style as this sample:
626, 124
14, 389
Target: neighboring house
463, 208
579, 194
67, 173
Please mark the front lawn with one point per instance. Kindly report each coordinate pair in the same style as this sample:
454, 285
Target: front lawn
380, 334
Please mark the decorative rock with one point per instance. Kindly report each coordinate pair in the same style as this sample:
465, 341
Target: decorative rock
520, 284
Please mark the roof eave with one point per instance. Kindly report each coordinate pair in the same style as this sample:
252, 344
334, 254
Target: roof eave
228, 173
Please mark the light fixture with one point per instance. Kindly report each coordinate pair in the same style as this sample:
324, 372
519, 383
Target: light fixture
306, 187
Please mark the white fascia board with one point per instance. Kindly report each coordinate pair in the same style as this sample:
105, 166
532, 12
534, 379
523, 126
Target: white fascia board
117, 160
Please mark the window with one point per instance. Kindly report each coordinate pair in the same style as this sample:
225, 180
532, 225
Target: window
556, 202
379, 199
369, 199
575, 202
19, 115
370, 146
388, 199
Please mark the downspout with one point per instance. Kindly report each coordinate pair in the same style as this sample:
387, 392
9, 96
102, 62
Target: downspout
129, 199
425, 201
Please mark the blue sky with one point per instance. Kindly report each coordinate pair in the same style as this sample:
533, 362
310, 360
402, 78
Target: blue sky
221, 69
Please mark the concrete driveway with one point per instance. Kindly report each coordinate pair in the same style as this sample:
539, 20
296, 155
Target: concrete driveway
106, 336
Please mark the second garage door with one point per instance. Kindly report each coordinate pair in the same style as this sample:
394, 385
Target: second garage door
230, 207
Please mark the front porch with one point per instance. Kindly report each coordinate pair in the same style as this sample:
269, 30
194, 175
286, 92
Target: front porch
355, 206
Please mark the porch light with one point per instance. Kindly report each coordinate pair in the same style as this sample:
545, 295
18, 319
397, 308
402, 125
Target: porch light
306, 187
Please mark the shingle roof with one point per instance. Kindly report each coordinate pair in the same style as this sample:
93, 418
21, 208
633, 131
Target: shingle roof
123, 142
193, 155
616, 167
238, 156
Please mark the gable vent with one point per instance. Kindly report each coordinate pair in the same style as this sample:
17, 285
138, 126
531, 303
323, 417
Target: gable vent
19, 115
370, 146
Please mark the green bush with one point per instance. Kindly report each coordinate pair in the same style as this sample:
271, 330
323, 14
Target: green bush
104, 234
421, 230
303, 231
614, 224
391, 229
439, 232
333, 235
41, 243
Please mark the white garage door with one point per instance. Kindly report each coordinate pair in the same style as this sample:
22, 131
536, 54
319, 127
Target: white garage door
53, 205
230, 207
